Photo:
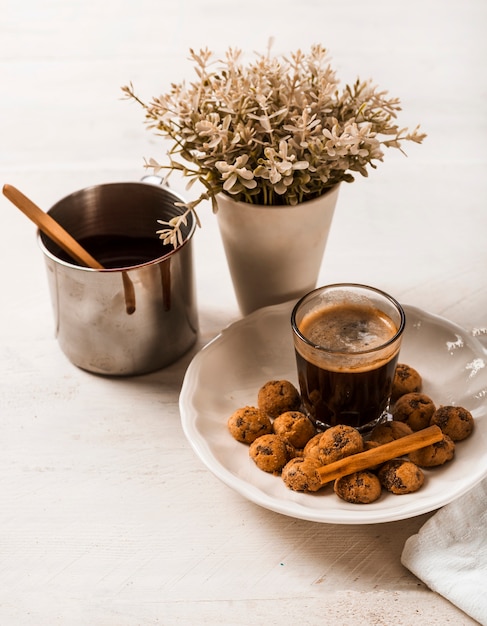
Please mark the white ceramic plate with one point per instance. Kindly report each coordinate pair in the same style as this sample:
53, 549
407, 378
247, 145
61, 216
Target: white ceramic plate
228, 372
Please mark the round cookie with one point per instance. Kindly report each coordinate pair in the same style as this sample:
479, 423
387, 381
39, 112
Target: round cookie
248, 423
278, 396
414, 409
389, 431
358, 488
454, 421
301, 474
312, 448
369, 445
270, 453
294, 427
400, 476
435, 454
338, 442
406, 380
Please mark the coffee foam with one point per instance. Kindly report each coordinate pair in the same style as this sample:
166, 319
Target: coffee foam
348, 336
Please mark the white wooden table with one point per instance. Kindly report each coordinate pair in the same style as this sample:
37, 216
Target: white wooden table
96, 527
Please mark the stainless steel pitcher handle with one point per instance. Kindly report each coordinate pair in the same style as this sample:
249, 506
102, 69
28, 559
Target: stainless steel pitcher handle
154, 179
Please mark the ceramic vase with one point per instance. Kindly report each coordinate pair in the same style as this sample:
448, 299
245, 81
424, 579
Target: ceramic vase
274, 253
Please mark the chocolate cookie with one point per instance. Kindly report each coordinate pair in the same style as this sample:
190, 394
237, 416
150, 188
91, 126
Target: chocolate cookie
435, 454
389, 431
301, 474
312, 448
414, 409
338, 442
278, 396
248, 423
294, 427
454, 421
406, 380
358, 488
400, 476
270, 453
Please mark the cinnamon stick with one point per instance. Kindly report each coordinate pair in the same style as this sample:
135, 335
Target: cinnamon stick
381, 454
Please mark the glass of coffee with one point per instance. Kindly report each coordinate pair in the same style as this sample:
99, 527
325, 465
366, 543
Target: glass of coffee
347, 339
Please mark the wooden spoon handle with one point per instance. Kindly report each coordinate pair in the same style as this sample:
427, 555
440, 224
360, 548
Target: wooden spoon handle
381, 454
50, 227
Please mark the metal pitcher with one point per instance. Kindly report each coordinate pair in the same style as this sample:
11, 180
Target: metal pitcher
131, 319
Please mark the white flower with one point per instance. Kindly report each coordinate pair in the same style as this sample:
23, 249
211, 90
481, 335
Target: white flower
236, 174
214, 129
278, 167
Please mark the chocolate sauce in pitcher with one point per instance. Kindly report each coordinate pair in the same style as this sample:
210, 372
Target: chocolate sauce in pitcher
116, 251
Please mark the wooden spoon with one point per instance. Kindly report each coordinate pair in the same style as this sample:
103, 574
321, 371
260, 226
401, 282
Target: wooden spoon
50, 227
59, 235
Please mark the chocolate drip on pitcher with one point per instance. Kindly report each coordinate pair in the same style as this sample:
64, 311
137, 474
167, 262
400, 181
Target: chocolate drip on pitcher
129, 292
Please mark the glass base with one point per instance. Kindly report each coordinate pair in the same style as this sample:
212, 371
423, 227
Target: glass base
363, 430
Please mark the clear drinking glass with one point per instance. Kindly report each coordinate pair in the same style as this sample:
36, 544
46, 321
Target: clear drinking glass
347, 339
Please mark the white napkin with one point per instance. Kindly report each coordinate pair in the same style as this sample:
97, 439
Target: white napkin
449, 554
